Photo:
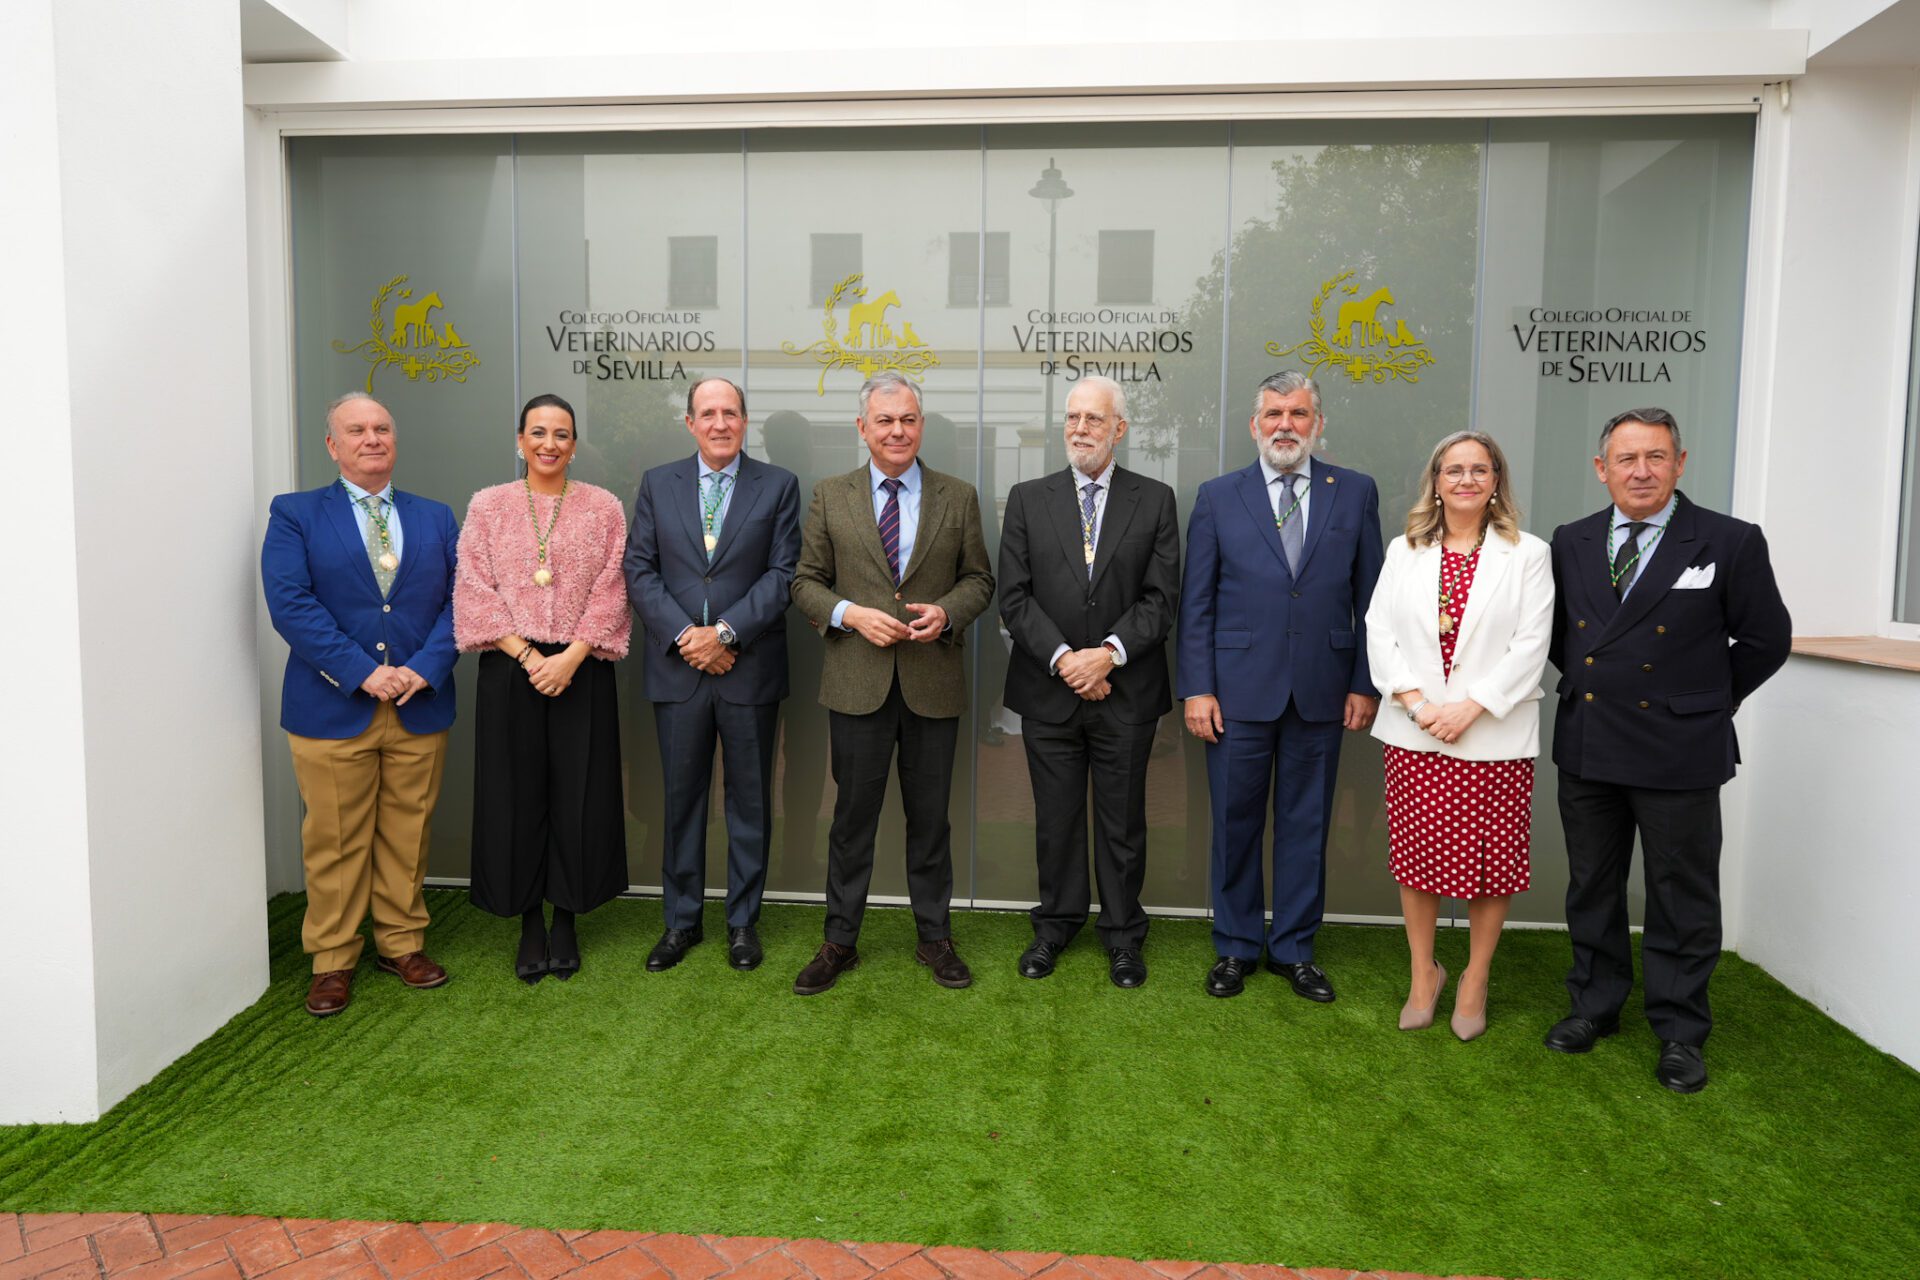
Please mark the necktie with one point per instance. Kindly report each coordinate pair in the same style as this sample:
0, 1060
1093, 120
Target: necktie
1090, 535
1291, 537
890, 526
378, 542
710, 509
1626, 561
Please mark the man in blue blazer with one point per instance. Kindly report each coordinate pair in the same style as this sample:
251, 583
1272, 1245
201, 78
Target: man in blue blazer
710, 556
1667, 617
1281, 562
359, 583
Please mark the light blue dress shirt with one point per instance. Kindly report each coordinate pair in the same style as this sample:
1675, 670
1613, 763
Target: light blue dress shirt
1303, 469
909, 519
1649, 538
365, 521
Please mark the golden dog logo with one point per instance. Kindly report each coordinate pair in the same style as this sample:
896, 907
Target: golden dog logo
410, 339
872, 340
1364, 344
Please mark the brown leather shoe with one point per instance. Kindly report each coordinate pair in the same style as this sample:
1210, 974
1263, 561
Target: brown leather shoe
949, 970
828, 963
330, 992
414, 969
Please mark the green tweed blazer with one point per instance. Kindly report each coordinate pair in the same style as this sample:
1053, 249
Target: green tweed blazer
841, 559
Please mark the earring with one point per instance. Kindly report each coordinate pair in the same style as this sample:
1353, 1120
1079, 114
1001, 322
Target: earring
518, 454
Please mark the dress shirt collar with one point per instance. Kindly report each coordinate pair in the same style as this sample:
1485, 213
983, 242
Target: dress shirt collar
909, 479
731, 469
355, 492
1104, 479
1658, 520
1302, 468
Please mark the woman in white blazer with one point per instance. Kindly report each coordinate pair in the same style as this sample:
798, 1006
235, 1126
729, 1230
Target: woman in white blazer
1457, 640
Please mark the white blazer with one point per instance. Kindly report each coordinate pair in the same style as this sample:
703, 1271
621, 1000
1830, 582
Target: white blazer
1500, 654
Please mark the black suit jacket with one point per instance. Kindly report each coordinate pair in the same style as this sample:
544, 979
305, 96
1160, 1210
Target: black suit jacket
1046, 599
1650, 684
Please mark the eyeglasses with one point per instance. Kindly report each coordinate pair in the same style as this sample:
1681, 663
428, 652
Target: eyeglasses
1454, 475
1092, 421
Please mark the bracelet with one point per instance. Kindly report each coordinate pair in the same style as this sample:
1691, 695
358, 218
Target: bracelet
1413, 712
521, 657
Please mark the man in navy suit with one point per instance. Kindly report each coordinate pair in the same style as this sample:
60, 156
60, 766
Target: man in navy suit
710, 557
359, 582
1281, 562
1667, 618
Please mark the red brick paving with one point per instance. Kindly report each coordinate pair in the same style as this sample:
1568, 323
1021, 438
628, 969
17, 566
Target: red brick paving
135, 1246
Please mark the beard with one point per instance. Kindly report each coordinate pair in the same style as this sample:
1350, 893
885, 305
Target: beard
1282, 451
1090, 461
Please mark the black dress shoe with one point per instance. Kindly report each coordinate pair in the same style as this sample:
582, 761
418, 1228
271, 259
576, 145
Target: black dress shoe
1125, 967
1575, 1034
1228, 977
743, 948
1307, 979
828, 963
672, 948
1037, 960
949, 970
1681, 1068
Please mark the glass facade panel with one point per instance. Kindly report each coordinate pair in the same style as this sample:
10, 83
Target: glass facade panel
1530, 277
1906, 583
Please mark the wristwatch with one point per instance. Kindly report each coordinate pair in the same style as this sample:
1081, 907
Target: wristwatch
728, 636
1113, 651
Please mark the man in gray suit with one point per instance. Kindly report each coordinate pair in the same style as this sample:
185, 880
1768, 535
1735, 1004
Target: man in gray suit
710, 557
893, 569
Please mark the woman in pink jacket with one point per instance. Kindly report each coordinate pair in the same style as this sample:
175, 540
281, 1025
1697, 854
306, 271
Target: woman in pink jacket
540, 596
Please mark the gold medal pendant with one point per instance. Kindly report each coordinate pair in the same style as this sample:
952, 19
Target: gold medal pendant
542, 577
389, 561
1446, 624
1089, 553
712, 541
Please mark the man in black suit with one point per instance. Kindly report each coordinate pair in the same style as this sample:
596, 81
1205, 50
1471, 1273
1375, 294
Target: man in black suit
1089, 583
1667, 618
710, 559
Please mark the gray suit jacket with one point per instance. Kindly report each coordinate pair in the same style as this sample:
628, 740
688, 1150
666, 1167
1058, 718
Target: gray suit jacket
841, 559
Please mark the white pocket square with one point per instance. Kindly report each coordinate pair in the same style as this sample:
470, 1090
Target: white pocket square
1694, 577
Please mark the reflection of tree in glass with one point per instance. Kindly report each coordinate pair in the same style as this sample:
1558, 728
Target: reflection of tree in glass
627, 427
1403, 216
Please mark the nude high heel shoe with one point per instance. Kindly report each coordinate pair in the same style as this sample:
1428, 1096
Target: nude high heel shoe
1415, 1019
1468, 1028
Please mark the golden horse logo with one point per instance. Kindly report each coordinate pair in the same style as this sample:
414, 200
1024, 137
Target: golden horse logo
870, 342
1355, 347
408, 341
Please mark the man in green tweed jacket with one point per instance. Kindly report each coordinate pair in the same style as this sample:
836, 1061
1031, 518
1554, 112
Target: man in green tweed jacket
893, 570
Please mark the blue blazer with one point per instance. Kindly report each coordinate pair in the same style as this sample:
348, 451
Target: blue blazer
1649, 685
326, 605
1251, 633
748, 581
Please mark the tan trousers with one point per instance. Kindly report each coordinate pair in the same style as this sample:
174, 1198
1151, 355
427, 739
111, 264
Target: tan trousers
369, 804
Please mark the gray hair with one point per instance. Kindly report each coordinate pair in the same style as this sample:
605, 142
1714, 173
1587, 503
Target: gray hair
349, 398
888, 380
1117, 394
694, 390
1285, 383
1652, 417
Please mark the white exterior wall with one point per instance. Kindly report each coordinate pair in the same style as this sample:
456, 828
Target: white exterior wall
1822, 873
133, 849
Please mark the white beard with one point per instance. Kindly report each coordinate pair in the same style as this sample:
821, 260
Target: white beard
1282, 453
1089, 462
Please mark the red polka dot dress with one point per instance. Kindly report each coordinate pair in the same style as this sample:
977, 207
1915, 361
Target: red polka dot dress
1458, 828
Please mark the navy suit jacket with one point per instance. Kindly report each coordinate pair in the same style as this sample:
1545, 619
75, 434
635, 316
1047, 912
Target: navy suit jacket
1254, 635
1651, 683
325, 604
748, 581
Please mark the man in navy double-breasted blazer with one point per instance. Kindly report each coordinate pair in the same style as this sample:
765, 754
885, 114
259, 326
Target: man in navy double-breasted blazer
359, 583
1281, 561
710, 556
1667, 617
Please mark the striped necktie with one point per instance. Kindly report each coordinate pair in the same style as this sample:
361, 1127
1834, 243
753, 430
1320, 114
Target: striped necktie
890, 526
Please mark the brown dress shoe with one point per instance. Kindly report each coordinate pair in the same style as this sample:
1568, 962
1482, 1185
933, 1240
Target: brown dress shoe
330, 992
828, 963
414, 969
949, 970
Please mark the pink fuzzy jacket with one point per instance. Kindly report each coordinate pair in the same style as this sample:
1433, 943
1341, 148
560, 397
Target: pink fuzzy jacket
494, 593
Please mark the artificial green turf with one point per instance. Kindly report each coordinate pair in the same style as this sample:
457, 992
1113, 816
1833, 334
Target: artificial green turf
1056, 1115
